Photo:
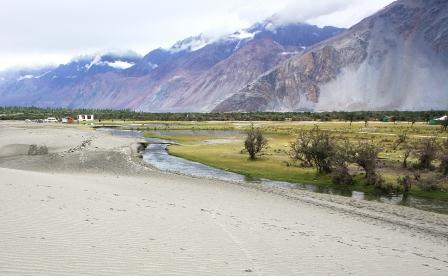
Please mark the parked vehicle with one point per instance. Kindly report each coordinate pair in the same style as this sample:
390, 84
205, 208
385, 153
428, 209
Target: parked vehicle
51, 120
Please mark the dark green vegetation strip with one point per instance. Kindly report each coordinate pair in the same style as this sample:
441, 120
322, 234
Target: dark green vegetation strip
22, 113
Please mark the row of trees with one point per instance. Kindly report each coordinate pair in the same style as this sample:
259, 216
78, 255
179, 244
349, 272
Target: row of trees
427, 151
22, 113
320, 149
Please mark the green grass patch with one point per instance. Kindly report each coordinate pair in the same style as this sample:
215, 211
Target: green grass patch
225, 151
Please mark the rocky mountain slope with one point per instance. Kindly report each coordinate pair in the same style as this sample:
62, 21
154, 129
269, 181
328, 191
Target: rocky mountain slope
195, 74
395, 59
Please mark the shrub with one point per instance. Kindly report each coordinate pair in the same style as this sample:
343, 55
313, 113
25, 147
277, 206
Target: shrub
402, 139
443, 158
366, 156
426, 153
375, 180
37, 150
444, 125
255, 142
429, 183
343, 156
388, 187
300, 150
341, 175
405, 182
314, 147
443, 167
408, 149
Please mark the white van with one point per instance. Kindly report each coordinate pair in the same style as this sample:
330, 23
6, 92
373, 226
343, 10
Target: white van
51, 120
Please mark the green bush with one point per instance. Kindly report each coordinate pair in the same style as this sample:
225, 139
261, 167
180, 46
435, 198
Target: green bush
365, 155
429, 183
255, 142
426, 153
314, 147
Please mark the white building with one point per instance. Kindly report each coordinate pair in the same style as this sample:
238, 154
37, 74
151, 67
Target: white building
443, 118
86, 118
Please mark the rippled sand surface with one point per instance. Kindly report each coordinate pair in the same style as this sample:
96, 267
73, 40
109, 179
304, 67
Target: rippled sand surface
165, 225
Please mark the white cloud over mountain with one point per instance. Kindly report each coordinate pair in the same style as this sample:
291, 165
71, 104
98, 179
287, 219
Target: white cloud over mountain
53, 31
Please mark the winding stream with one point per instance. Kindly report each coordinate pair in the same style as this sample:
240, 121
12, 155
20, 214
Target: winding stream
156, 155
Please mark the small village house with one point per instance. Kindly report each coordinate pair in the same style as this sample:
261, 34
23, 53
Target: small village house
438, 121
86, 118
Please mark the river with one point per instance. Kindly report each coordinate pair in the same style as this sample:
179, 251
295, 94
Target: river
156, 155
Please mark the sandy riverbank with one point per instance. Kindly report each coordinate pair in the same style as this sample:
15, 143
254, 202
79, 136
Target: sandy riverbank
94, 209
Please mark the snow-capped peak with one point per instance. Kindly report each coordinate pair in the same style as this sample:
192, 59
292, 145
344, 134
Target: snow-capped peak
25, 77
95, 61
243, 34
191, 44
30, 76
111, 61
195, 43
119, 64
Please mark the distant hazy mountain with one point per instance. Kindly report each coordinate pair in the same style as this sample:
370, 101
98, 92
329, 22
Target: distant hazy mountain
195, 74
395, 59
55, 86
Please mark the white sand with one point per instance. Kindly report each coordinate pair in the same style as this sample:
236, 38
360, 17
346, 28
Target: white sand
111, 223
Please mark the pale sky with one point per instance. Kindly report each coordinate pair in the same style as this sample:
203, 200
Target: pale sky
40, 32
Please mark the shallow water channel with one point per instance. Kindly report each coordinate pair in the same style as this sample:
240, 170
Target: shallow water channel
156, 155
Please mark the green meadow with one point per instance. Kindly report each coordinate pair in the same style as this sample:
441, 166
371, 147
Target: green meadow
198, 142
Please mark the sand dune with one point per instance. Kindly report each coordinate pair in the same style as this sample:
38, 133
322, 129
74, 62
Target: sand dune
132, 220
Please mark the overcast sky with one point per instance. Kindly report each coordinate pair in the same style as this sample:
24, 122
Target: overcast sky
38, 32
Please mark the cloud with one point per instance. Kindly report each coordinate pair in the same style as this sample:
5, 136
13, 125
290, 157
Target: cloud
52, 31
305, 10
339, 13
353, 12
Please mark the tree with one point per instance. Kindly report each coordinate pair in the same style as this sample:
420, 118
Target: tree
443, 167
408, 149
301, 149
343, 156
366, 156
443, 158
444, 124
255, 142
402, 138
349, 117
406, 183
393, 119
314, 147
427, 152
406, 146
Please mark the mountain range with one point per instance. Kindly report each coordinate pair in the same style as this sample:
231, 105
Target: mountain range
394, 59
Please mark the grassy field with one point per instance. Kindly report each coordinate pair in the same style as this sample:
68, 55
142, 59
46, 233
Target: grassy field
225, 151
